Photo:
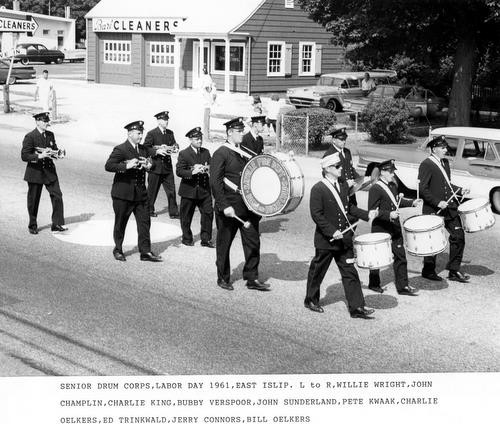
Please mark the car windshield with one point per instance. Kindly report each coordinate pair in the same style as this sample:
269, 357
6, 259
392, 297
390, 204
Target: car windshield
330, 81
490, 151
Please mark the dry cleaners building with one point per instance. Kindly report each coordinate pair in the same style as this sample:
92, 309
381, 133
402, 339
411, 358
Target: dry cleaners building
252, 46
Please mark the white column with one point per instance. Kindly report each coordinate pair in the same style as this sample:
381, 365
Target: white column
177, 60
227, 68
202, 57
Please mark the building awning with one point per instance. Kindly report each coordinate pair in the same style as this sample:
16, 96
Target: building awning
210, 17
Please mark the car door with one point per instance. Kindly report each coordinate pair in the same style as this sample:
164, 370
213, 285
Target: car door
44, 54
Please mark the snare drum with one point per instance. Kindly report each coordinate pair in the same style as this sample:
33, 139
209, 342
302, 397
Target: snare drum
424, 235
476, 215
272, 184
373, 250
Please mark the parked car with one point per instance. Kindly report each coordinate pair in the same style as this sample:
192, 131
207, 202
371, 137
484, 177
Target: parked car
17, 73
33, 52
419, 101
474, 156
332, 90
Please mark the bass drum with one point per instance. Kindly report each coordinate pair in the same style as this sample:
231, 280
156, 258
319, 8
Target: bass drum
272, 184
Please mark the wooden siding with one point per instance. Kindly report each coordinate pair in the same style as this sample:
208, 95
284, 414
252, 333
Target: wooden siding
273, 22
92, 45
111, 73
157, 76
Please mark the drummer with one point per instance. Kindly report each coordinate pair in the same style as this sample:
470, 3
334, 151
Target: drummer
226, 167
333, 213
252, 140
383, 195
441, 197
349, 174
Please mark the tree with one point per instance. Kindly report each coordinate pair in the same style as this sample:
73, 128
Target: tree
425, 30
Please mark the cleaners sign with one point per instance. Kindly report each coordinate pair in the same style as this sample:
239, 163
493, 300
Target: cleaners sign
148, 25
17, 25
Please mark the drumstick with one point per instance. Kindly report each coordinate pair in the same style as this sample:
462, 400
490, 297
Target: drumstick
448, 201
400, 197
346, 230
246, 224
418, 189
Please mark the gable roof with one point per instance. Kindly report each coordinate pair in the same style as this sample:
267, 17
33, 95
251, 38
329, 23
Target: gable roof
199, 16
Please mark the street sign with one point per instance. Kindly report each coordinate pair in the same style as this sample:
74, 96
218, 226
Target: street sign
17, 25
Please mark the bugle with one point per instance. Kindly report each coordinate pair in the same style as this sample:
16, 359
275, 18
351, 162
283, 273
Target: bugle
52, 153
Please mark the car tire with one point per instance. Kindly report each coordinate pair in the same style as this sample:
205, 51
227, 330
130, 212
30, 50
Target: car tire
25, 61
59, 60
495, 200
333, 106
12, 80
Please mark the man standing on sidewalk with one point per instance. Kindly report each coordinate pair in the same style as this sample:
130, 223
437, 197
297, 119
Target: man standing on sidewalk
162, 140
40, 170
44, 91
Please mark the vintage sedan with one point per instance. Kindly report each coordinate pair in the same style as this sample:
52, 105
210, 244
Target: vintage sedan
474, 156
419, 101
34, 52
17, 73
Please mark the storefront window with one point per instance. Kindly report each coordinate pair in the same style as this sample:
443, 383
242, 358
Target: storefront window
117, 52
236, 58
161, 54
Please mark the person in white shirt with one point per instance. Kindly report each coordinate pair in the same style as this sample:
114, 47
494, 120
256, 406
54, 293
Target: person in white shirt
273, 109
44, 91
367, 84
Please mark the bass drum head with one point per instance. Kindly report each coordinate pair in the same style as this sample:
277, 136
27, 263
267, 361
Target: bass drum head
420, 223
265, 185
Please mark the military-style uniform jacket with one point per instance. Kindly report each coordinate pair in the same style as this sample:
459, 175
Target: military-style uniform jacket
256, 145
434, 188
379, 198
328, 216
128, 184
348, 171
161, 164
229, 164
195, 186
38, 171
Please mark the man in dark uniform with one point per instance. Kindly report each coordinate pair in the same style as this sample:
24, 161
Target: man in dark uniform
349, 174
193, 167
333, 213
128, 162
252, 140
384, 196
40, 171
226, 167
441, 198
161, 172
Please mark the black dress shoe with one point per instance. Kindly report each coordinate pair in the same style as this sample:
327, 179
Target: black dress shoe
458, 276
432, 276
408, 291
362, 313
58, 228
151, 257
188, 243
174, 216
225, 285
153, 214
33, 230
368, 311
377, 289
313, 307
119, 256
257, 285
207, 244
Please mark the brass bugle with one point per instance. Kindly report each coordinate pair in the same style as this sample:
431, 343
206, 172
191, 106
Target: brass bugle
167, 149
205, 169
53, 153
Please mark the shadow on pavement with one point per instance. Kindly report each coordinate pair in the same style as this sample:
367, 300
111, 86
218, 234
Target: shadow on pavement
422, 283
272, 225
72, 220
381, 301
477, 270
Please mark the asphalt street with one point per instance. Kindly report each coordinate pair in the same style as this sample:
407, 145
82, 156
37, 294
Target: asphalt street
71, 309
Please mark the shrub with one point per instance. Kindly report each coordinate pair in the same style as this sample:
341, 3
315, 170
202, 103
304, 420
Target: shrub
320, 121
386, 121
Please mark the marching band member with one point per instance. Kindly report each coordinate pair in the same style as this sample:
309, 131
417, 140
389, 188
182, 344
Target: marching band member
40, 171
231, 213
252, 140
129, 194
441, 198
349, 174
194, 190
333, 213
384, 196
161, 172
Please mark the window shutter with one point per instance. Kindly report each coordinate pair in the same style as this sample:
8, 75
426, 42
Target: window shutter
317, 59
288, 59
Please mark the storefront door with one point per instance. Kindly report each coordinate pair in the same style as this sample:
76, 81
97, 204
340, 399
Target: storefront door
197, 69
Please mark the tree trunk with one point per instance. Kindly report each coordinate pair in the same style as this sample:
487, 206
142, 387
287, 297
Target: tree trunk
461, 89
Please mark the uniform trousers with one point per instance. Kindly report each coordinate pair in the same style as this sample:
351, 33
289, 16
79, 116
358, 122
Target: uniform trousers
250, 239
34, 194
457, 246
168, 183
187, 209
123, 209
400, 266
350, 278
